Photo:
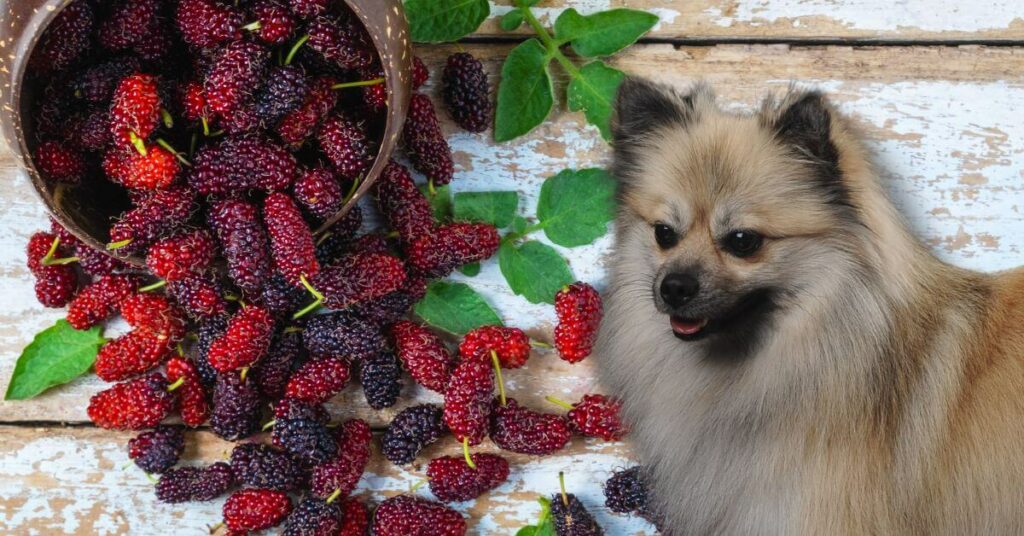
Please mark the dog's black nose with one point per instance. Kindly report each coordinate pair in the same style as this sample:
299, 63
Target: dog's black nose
677, 289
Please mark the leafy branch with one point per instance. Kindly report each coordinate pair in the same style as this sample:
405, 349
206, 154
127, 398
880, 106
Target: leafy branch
526, 94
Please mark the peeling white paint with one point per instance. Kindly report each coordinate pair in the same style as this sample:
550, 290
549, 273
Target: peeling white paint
876, 15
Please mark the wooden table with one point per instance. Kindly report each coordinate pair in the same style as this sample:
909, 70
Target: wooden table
936, 87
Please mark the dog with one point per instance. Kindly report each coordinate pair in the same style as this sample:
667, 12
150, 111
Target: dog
790, 358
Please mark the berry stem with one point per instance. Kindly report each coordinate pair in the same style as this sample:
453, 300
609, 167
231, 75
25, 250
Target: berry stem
295, 49
206, 126
465, 452
309, 286
138, 143
359, 83
352, 191
175, 385
431, 188
324, 237
418, 485
293, 329
163, 143
114, 246
150, 288
63, 261
216, 527
167, 118
244, 373
252, 26
269, 425
540, 344
497, 372
152, 479
558, 402
319, 298
561, 485
333, 496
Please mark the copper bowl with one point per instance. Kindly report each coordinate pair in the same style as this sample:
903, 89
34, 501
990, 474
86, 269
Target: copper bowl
86, 210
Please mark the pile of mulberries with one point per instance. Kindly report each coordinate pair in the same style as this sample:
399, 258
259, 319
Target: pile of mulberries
250, 313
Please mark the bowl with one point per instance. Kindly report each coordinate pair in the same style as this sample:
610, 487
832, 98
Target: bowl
86, 210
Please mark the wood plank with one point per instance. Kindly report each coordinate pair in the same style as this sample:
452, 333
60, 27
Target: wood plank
75, 481
934, 118
830, 20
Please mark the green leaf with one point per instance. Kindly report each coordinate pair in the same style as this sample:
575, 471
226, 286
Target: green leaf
576, 206
603, 33
519, 225
526, 95
512, 20
534, 270
593, 92
444, 21
471, 270
528, 530
440, 201
455, 308
495, 208
56, 356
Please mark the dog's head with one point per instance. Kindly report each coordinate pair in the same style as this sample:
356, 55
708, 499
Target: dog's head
727, 216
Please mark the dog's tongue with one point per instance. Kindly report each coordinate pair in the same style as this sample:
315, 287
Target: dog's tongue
685, 326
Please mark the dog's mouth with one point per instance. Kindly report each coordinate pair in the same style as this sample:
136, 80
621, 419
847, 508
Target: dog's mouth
744, 317
688, 329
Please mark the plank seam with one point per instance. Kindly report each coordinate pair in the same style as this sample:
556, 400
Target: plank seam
799, 42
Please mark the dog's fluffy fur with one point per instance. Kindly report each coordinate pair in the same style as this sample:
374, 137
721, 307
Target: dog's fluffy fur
851, 383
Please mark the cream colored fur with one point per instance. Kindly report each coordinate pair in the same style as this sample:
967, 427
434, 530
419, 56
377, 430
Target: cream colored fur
887, 397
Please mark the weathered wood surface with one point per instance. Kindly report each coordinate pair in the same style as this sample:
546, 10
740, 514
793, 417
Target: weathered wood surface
825, 20
80, 481
939, 122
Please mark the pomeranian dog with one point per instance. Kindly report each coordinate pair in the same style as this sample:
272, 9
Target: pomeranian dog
791, 359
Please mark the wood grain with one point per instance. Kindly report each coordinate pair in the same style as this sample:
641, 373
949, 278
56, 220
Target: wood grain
80, 481
826, 20
935, 119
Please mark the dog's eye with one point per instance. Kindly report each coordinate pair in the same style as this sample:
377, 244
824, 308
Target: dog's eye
665, 235
742, 243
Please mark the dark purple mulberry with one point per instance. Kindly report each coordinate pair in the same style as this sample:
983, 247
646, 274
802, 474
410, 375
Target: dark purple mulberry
262, 466
188, 484
467, 93
342, 41
381, 378
342, 334
308, 440
243, 163
236, 407
428, 148
410, 431
157, 450
314, 517
285, 90
155, 217
271, 373
347, 146
244, 243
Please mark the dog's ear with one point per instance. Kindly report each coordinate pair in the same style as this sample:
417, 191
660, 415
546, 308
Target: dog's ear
803, 121
643, 106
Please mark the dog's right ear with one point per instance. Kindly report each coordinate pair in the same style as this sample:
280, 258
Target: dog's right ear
643, 106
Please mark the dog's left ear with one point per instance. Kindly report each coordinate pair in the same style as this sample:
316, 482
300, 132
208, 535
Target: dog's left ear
804, 123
